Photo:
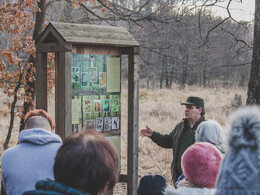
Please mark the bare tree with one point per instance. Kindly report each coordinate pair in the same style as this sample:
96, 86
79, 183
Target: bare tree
253, 93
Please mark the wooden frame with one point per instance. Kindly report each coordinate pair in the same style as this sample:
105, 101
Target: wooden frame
51, 40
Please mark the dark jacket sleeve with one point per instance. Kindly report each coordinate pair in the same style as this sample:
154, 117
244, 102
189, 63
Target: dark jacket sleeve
163, 140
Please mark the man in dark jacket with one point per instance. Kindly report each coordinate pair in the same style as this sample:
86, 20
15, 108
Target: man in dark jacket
182, 136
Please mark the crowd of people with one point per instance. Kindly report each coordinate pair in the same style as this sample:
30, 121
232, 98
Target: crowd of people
87, 163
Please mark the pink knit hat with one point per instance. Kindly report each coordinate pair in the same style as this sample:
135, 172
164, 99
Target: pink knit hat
200, 164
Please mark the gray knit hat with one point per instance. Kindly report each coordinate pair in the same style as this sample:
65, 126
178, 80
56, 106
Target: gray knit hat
240, 169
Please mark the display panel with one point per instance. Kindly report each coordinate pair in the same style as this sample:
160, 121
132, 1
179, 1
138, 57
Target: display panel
96, 95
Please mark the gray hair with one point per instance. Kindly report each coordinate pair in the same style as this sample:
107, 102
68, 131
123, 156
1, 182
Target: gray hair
210, 131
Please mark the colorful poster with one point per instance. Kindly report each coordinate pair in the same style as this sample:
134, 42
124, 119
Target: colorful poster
106, 105
84, 79
107, 123
115, 123
96, 82
87, 106
75, 75
93, 75
97, 105
115, 105
102, 79
113, 74
75, 111
90, 125
99, 124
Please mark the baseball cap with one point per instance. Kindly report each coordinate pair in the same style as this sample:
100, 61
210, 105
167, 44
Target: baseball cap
194, 101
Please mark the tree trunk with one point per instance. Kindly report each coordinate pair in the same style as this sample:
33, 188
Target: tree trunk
204, 78
166, 78
184, 76
8, 137
171, 78
161, 80
147, 83
39, 25
153, 83
253, 93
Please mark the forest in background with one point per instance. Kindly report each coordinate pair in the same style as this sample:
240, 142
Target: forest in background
181, 44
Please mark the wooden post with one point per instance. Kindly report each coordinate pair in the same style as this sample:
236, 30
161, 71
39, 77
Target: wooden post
41, 82
63, 94
133, 114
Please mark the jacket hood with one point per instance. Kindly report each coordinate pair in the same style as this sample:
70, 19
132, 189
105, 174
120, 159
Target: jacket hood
38, 136
52, 187
245, 125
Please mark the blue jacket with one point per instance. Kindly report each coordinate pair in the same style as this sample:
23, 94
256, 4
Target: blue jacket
29, 161
49, 187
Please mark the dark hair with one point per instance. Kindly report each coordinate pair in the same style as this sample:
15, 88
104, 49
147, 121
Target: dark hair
152, 185
40, 112
202, 110
87, 161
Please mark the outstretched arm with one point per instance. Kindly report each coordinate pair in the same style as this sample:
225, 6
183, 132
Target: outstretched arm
164, 141
146, 132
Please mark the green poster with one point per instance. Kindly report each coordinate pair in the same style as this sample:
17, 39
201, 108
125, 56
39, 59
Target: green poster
75, 75
115, 105
106, 105
84, 79
113, 74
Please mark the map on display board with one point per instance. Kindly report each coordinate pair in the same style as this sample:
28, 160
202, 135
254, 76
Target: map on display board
96, 95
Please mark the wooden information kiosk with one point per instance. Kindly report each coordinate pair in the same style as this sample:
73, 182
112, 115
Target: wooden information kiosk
88, 84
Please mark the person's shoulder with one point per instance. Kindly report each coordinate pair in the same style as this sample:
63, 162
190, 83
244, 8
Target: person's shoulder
9, 154
10, 150
186, 191
178, 127
209, 191
196, 191
181, 123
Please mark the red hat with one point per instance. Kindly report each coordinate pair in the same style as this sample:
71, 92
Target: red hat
200, 164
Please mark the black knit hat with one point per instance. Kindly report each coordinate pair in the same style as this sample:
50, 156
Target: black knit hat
152, 185
194, 101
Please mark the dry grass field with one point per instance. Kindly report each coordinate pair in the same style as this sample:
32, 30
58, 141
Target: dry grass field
161, 111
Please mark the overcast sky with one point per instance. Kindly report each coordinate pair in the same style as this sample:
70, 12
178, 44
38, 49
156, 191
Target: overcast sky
239, 11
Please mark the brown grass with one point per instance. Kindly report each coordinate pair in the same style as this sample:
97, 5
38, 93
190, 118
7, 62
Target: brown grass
161, 111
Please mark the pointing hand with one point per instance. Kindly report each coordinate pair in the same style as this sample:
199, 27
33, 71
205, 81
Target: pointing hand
146, 132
